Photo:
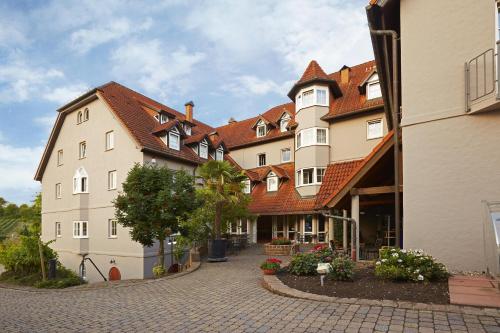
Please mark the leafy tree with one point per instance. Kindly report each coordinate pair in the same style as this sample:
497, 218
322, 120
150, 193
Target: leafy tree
222, 201
153, 201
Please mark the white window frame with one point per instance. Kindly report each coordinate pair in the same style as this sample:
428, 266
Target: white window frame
285, 119
110, 140
219, 154
82, 150
163, 118
373, 81
258, 159
112, 226
174, 133
289, 155
301, 103
203, 149
78, 181
60, 157
247, 188
58, 191
78, 229
318, 173
58, 229
261, 126
301, 135
272, 182
372, 122
187, 129
112, 180
299, 178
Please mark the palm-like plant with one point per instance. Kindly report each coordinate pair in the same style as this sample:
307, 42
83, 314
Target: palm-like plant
225, 186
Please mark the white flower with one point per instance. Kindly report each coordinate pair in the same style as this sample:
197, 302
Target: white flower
384, 260
378, 263
420, 277
403, 251
417, 271
395, 255
399, 260
393, 250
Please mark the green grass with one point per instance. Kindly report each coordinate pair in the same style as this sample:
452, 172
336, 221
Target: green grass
7, 226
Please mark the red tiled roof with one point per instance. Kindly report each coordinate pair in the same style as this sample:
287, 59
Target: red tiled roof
240, 133
313, 72
284, 201
195, 138
334, 177
165, 127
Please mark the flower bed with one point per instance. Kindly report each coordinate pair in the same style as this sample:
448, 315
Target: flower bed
270, 266
278, 247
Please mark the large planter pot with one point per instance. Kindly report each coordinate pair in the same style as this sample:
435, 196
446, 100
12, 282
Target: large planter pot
268, 271
277, 250
217, 250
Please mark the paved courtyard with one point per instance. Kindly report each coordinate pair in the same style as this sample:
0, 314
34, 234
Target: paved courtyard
221, 297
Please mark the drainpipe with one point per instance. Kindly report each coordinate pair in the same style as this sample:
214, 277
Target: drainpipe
395, 123
353, 225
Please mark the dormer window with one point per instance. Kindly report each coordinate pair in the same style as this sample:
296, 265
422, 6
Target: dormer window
163, 118
285, 119
261, 129
187, 129
373, 87
247, 186
272, 182
203, 149
219, 154
174, 139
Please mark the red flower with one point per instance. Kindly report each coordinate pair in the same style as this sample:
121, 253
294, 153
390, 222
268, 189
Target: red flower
274, 260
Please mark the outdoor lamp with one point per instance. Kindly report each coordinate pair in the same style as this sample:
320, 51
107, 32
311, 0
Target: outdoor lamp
323, 269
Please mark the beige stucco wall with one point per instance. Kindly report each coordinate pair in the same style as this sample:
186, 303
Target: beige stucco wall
451, 160
348, 139
94, 207
247, 157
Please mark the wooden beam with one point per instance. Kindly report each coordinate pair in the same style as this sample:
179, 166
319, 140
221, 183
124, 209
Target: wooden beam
375, 190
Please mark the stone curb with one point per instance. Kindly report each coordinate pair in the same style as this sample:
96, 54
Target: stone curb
110, 285
274, 285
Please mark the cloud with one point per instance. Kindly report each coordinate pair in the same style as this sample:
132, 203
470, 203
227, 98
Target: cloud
332, 32
250, 84
154, 67
85, 39
64, 94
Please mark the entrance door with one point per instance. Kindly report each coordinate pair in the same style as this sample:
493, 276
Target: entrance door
114, 274
264, 229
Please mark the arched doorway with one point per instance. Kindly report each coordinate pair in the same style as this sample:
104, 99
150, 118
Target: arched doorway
114, 274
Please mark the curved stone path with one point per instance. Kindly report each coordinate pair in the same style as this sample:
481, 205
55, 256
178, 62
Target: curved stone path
219, 297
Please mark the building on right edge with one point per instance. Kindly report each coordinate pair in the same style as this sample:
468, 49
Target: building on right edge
449, 121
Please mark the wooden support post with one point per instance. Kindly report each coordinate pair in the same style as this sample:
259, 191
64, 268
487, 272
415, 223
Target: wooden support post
331, 229
344, 231
355, 216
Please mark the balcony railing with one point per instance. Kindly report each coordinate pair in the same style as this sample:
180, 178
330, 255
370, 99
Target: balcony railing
480, 77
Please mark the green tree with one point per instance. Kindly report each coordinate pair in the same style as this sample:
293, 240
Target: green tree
222, 199
153, 201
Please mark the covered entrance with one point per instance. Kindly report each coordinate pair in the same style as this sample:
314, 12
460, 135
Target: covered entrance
264, 229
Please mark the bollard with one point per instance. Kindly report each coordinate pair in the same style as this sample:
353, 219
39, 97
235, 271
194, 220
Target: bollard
52, 269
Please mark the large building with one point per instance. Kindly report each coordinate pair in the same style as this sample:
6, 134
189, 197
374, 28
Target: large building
297, 157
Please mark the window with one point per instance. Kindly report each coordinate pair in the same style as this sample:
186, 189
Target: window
110, 140
174, 139
58, 191
58, 229
373, 88
307, 98
80, 181
310, 176
219, 154
247, 186
79, 117
312, 136
285, 155
261, 159
272, 182
298, 102
284, 122
82, 151
261, 129
80, 229
203, 150
86, 114
187, 129
321, 96
60, 157
320, 172
374, 129
163, 118
112, 180
112, 228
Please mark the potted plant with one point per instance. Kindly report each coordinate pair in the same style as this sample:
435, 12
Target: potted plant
270, 266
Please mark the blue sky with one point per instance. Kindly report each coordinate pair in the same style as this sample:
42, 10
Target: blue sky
232, 58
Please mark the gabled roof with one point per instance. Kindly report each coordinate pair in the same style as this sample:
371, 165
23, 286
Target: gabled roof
362, 85
266, 121
165, 127
197, 138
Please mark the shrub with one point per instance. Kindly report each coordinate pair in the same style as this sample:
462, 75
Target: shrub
323, 253
158, 271
281, 241
271, 264
64, 278
303, 264
342, 268
409, 265
22, 256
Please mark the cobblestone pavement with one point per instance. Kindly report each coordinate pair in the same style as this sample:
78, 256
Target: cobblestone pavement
219, 297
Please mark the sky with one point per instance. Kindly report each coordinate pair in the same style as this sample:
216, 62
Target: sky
232, 58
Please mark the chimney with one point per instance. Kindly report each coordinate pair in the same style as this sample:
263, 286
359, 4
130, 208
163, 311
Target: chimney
231, 120
344, 74
189, 111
